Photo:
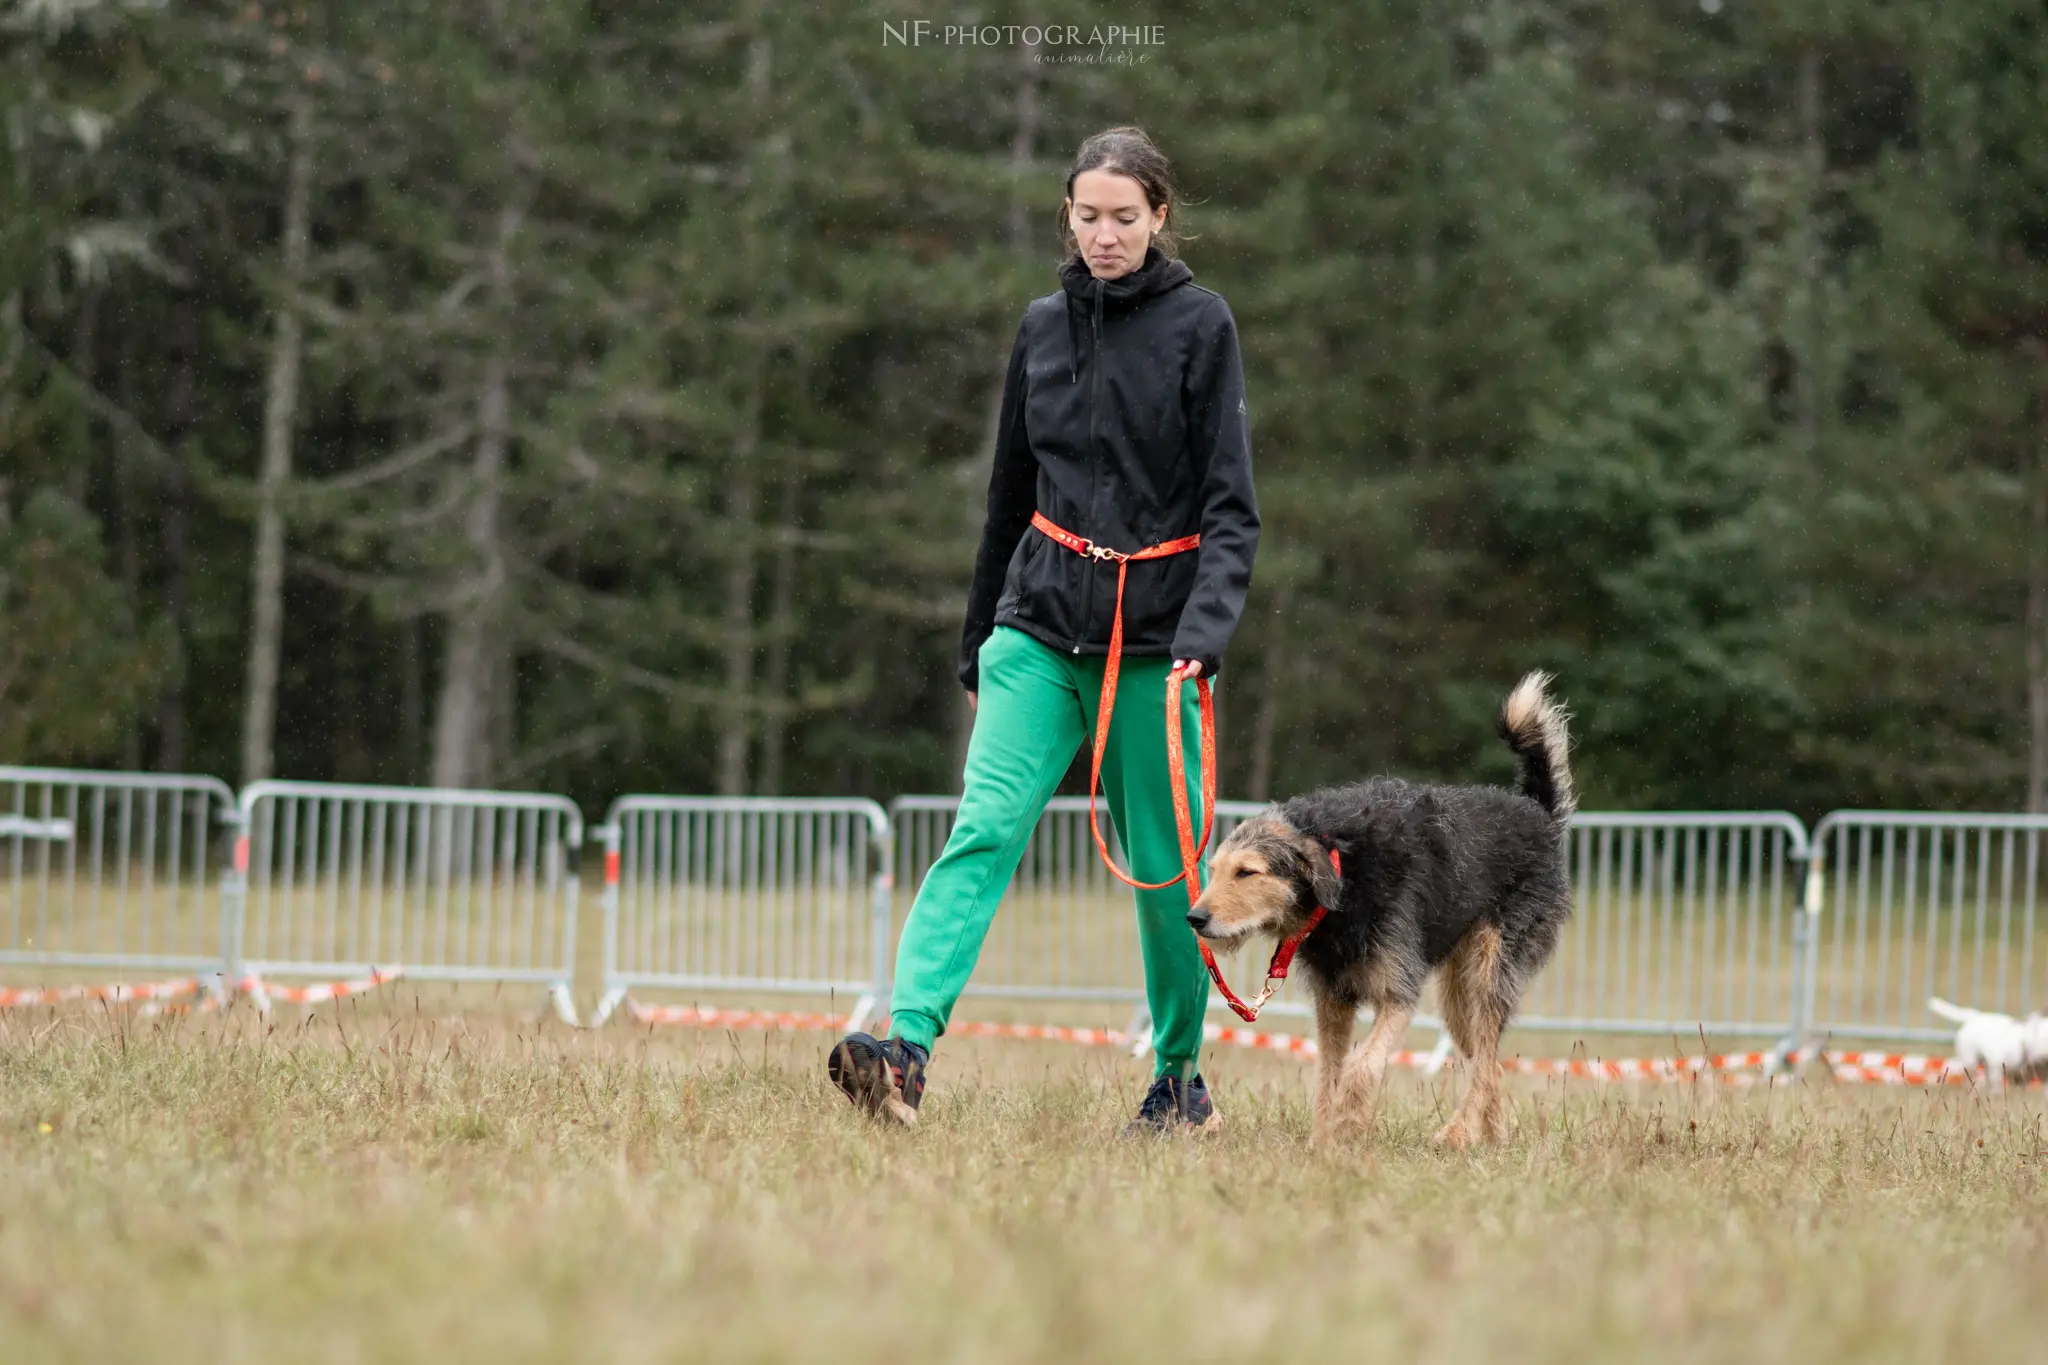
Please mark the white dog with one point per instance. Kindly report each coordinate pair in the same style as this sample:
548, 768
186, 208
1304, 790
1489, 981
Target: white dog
2002, 1045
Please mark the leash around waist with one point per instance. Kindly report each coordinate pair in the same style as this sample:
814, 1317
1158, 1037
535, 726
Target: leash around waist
1176, 763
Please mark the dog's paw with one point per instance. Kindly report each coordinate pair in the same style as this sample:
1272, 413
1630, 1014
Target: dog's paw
1337, 1132
1454, 1137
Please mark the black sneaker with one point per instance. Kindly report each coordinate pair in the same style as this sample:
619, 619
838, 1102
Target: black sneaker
1171, 1106
883, 1077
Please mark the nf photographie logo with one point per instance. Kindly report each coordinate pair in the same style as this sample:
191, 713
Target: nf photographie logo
923, 32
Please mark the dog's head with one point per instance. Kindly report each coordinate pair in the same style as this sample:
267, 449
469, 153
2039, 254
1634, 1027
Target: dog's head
1266, 877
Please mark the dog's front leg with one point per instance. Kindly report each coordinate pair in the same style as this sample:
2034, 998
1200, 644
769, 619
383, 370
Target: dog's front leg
1366, 1068
1334, 1019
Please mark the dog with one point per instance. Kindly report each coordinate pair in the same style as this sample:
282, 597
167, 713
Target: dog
2008, 1049
1470, 882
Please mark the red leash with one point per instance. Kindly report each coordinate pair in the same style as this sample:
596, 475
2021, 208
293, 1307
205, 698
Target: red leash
1176, 767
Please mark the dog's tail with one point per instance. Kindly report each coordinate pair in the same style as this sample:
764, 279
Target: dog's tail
1955, 1014
1534, 727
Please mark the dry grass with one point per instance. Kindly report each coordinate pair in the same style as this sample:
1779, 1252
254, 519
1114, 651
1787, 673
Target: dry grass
390, 1185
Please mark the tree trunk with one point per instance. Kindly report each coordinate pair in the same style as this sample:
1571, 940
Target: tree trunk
170, 708
775, 720
743, 497
1814, 153
1272, 666
412, 700
1023, 147
280, 412
473, 666
1415, 598
84, 363
127, 540
743, 494
2037, 610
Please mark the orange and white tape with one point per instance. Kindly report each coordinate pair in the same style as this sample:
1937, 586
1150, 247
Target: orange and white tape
702, 1017
1047, 1033
1891, 1068
695, 1017
263, 993
322, 992
117, 994
1888, 1061
1639, 1068
1727, 1068
1941, 1073
182, 988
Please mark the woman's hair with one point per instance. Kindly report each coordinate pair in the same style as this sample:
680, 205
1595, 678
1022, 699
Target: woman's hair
1128, 151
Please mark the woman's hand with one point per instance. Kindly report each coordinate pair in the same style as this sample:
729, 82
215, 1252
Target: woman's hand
974, 701
1191, 668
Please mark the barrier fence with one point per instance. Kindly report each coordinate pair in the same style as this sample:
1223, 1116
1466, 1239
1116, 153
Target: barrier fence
752, 894
113, 871
450, 885
1911, 905
1683, 922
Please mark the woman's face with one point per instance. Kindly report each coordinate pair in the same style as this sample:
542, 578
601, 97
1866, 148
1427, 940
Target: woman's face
1112, 222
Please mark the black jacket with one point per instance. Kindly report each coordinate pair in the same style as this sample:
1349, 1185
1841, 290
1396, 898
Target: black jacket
1124, 421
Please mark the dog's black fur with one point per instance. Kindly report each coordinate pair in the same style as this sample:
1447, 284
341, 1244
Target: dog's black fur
1424, 864
1471, 879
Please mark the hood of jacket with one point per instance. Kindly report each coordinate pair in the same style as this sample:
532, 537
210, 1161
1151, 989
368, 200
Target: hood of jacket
1156, 274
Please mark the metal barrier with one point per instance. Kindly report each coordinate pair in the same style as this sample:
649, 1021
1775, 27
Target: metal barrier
750, 894
112, 871
1683, 922
1925, 904
450, 885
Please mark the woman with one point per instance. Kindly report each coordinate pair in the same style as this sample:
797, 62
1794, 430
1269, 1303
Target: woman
1123, 424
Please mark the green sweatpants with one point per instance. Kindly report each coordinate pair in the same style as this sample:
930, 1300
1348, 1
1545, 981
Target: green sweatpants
1036, 708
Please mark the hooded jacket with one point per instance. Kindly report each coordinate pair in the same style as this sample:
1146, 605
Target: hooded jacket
1123, 420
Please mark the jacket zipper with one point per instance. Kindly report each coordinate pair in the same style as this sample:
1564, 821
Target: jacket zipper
1094, 387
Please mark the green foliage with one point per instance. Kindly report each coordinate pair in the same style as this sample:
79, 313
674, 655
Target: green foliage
1646, 497
1694, 353
73, 669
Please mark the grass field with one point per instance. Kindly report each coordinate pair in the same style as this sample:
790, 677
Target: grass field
390, 1183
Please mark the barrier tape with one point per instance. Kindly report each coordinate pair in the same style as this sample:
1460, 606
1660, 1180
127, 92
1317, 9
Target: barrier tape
119, 994
1873, 1068
693, 1016
160, 996
264, 993
324, 991
1726, 1068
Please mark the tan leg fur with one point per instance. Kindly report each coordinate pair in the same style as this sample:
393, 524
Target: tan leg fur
1470, 986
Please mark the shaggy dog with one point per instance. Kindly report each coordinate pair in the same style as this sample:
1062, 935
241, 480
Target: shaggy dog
1467, 879
2008, 1049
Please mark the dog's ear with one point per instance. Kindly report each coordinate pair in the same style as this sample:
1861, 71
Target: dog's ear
1323, 880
